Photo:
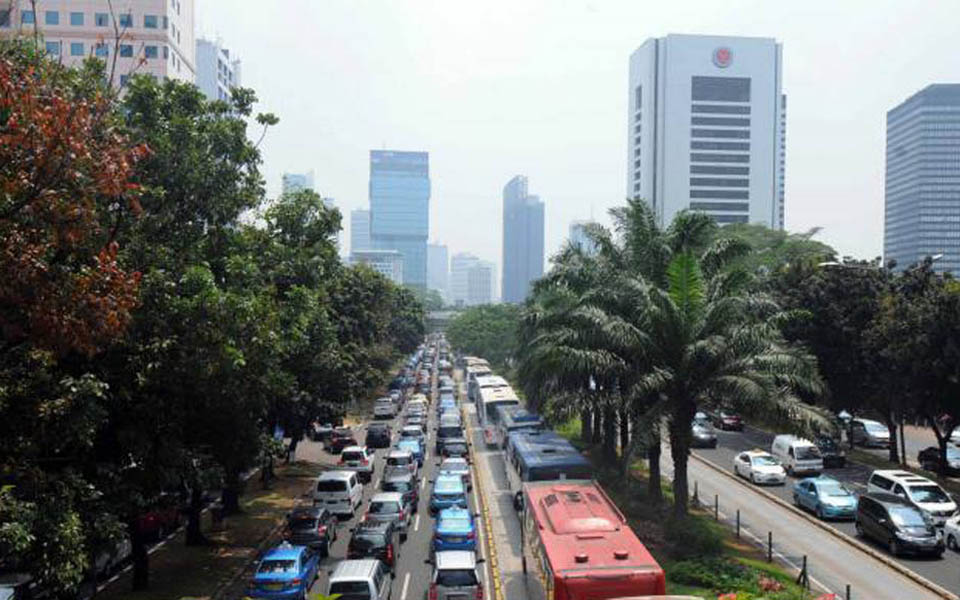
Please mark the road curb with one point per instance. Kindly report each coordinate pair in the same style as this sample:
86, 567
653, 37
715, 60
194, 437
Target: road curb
856, 544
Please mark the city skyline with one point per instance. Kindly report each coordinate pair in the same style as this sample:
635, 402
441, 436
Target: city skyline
523, 249
835, 157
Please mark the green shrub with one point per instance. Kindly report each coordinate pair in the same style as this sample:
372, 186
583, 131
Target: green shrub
717, 574
693, 537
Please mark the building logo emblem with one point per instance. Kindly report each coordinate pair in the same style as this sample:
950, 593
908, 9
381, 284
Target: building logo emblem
722, 57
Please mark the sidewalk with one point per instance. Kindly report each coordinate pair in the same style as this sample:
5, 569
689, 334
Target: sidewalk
206, 572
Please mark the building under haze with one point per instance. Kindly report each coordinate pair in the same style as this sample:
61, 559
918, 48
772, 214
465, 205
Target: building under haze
218, 72
460, 265
359, 229
400, 209
388, 263
297, 182
480, 280
523, 217
157, 35
578, 236
438, 269
706, 124
922, 210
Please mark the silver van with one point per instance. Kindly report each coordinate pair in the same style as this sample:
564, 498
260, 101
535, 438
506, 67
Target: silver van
340, 492
367, 578
866, 432
454, 575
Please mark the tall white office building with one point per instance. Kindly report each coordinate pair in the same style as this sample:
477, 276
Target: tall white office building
480, 280
218, 72
460, 265
706, 128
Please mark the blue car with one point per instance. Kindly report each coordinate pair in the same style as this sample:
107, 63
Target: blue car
448, 490
455, 530
413, 447
285, 572
826, 497
446, 404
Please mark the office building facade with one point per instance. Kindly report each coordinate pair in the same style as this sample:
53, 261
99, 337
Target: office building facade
578, 237
480, 280
157, 35
359, 229
523, 239
297, 182
438, 269
706, 128
922, 196
400, 209
388, 263
460, 265
218, 72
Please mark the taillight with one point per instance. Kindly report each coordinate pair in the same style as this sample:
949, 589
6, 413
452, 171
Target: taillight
295, 582
471, 535
389, 554
432, 594
364, 462
322, 529
479, 594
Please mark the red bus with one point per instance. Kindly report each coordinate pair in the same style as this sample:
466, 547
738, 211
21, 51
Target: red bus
582, 546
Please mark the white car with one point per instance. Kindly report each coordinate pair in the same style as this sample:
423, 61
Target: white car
951, 533
359, 459
759, 467
384, 408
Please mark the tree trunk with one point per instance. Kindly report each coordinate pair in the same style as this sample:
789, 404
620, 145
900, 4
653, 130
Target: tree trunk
140, 559
586, 427
609, 435
894, 446
942, 438
194, 536
654, 489
624, 435
681, 488
597, 428
230, 496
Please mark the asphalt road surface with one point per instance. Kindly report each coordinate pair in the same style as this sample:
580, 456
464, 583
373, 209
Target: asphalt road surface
944, 572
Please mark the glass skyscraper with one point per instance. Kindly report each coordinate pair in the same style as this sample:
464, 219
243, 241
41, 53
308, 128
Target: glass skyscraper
522, 240
400, 209
922, 212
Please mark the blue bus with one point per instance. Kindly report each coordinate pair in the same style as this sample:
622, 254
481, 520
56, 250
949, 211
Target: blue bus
542, 456
512, 418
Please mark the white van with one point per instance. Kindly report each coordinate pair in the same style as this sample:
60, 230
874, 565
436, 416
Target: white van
798, 455
384, 408
366, 578
340, 492
917, 490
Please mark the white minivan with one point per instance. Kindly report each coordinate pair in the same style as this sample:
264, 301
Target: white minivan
798, 455
340, 492
367, 578
917, 490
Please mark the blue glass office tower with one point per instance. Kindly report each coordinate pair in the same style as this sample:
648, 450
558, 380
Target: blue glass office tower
522, 240
400, 209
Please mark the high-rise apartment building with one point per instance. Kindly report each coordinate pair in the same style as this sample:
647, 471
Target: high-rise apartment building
400, 209
480, 278
460, 265
296, 182
706, 128
922, 209
438, 269
218, 72
523, 217
156, 35
388, 263
578, 236
359, 229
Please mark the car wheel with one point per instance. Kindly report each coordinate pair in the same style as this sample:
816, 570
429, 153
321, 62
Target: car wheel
952, 542
819, 512
753, 478
894, 547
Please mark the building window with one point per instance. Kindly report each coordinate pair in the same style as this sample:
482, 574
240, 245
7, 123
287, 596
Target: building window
51, 17
698, 145
730, 218
123, 80
166, 52
721, 194
101, 19
718, 182
720, 133
27, 17
166, 22
720, 89
721, 206
150, 51
101, 50
711, 170
125, 20
53, 48
719, 158
126, 50
722, 121
636, 187
76, 19
150, 21
4, 17
639, 96
76, 48
720, 109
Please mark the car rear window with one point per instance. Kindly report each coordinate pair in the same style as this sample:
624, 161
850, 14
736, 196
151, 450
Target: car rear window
351, 590
277, 566
331, 485
398, 461
384, 508
353, 455
303, 523
445, 432
456, 577
397, 486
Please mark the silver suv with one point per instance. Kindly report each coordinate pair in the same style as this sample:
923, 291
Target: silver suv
390, 507
455, 575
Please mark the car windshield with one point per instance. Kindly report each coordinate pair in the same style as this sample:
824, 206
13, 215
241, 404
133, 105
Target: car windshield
907, 517
456, 577
876, 428
764, 461
834, 489
457, 448
350, 590
277, 566
458, 523
414, 432
331, 486
383, 508
806, 452
953, 453
828, 444
367, 539
928, 493
411, 445
398, 460
453, 467
303, 523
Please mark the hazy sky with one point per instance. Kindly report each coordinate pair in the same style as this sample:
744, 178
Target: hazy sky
497, 88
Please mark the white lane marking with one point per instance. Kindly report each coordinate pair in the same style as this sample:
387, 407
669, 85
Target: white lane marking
423, 483
416, 523
406, 584
478, 522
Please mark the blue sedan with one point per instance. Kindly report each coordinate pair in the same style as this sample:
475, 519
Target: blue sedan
413, 447
826, 497
456, 530
285, 572
448, 490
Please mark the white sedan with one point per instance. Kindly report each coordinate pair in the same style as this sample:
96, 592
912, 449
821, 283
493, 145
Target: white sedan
951, 533
759, 467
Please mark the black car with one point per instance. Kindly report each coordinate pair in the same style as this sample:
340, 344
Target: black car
340, 439
725, 419
447, 431
897, 524
929, 459
400, 479
832, 453
315, 527
379, 435
372, 539
454, 447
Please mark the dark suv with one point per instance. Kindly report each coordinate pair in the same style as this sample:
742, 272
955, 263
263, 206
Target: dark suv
832, 453
372, 539
900, 526
340, 439
313, 527
400, 479
378, 435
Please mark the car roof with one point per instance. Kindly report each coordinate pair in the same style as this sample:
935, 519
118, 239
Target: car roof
378, 425
374, 526
352, 570
310, 511
387, 497
354, 449
454, 440
398, 452
448, 477
395, 473
903, 476
455, 559
412, 428
283, 552
407, 442
888, 499
454, 461
335, 475
758, 452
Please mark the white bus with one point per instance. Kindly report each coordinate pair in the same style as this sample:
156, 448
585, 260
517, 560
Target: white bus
472, 373
486, 382
488, 400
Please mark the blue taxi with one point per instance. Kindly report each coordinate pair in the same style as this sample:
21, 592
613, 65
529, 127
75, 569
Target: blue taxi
285, 571
456, 530
448, 490
412, 446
